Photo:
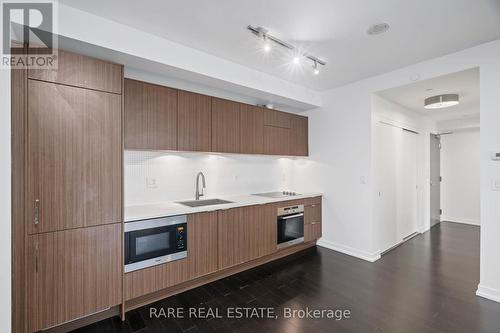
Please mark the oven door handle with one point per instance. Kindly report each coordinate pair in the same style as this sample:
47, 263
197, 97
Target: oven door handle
291, 216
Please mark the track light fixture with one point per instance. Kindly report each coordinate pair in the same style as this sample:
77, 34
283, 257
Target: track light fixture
315, 68
267, 38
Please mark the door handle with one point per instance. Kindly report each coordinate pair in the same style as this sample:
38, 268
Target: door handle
37, 211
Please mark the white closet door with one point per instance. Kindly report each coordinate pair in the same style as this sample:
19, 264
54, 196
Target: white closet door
385, 151
395, 170
407, 185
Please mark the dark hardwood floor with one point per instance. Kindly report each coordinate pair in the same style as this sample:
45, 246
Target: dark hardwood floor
425, 285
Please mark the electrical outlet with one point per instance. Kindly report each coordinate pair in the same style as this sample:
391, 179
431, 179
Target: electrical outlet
495, 185
151, 182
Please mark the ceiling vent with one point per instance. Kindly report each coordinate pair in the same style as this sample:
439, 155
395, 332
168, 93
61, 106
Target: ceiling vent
378, 29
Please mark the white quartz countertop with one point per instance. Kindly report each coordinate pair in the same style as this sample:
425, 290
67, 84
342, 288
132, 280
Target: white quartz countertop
172, 208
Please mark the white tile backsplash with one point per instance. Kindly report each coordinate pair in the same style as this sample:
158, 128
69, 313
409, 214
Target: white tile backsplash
152, 177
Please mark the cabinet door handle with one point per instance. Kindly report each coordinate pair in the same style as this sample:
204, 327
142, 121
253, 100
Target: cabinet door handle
37, 211
314, 222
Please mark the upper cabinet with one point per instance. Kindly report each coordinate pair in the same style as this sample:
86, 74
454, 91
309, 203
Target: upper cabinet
276, 132
251, 129
194, 122
150, 113
225, 126
82, 71
161, 118
299, 136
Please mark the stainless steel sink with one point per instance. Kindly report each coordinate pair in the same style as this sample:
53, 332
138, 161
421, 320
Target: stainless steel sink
200, 203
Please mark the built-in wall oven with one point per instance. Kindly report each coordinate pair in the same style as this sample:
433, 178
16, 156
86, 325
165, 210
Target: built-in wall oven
290, 225
155, 241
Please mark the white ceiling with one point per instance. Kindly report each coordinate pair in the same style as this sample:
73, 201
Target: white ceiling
330, 29
465, 83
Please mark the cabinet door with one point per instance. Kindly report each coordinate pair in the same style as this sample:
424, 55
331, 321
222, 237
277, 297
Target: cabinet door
245, 234
252, 129
201, 260
74, 157
276, 140
73, 273
312, 231
277, 118
312, 220
150, 116
312, 214
194, 122
225, 126
299, 136
81, 71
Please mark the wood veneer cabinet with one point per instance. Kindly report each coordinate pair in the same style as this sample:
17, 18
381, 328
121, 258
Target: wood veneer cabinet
150, 116
201, 260
81, 71
73, 273
299, 136
251, 129
194, 122
225, 126
245, 234
312, 219
276, 140
74, 161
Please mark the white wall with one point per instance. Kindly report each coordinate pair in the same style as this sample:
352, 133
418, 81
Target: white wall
341, 157
5, 203
394, 114
173, 175
460, 188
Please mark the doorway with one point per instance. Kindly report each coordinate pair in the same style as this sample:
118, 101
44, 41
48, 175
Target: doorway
435, 179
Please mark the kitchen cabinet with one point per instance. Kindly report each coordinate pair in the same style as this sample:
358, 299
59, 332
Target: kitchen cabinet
276, 140
150, 116
74, 166
225, 126
245, 234
194, 122
251, 129
73, 273
277, 118
277, 132
312, 219
299, 133
201, 260
81, 71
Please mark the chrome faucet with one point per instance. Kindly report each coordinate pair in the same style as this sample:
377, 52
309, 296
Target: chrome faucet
198, 194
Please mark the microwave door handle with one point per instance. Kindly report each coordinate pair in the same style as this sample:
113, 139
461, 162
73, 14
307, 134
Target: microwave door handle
291, 216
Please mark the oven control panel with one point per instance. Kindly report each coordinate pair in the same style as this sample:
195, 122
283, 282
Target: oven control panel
180, 236
290, 210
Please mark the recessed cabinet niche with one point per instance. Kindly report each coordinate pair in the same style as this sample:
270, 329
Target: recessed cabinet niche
162, 118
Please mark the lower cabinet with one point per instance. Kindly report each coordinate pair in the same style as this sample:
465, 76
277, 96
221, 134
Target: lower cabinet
245, 234
73, 273
201, 260
312, 219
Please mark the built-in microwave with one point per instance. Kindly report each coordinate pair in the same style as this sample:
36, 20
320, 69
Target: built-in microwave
155, 241
290, 225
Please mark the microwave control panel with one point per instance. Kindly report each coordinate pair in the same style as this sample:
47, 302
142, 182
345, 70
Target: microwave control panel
180, 235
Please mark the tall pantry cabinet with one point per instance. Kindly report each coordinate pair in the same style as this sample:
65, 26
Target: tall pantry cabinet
73, 190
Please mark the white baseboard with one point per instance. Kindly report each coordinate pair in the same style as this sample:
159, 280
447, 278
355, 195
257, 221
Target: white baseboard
460, 220
489, 293
371, 257
423, 229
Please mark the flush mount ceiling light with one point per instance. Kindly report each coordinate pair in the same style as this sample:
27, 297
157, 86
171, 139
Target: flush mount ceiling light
297, 54
378, 29
441, 101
